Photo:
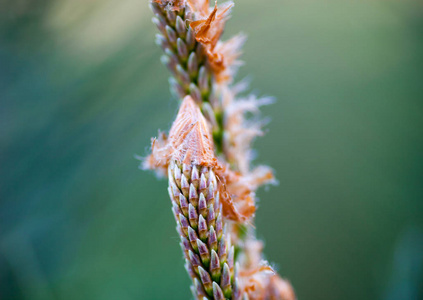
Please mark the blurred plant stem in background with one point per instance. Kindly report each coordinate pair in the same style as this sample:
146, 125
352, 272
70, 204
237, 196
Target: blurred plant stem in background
81, 89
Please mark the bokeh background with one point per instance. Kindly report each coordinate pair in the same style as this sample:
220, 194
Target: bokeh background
82, 91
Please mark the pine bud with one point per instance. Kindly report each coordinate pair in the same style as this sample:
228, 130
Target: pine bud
192, 65
192, 236
202, 206
212, 240
204, 253
202, 229
184, 204
171, 35
182, 50
192, 216
217, 292
225, 281
215, 266
181, 29
206, 280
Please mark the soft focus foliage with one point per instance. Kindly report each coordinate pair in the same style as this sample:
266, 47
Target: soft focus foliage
82, 90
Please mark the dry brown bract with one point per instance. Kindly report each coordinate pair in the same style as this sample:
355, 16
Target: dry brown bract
189, 140
199, 6
208, 29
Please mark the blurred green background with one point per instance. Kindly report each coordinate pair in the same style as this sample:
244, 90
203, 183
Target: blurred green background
82, 91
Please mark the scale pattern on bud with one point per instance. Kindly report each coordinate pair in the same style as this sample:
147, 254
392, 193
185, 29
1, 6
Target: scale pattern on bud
205, 250
184, 56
